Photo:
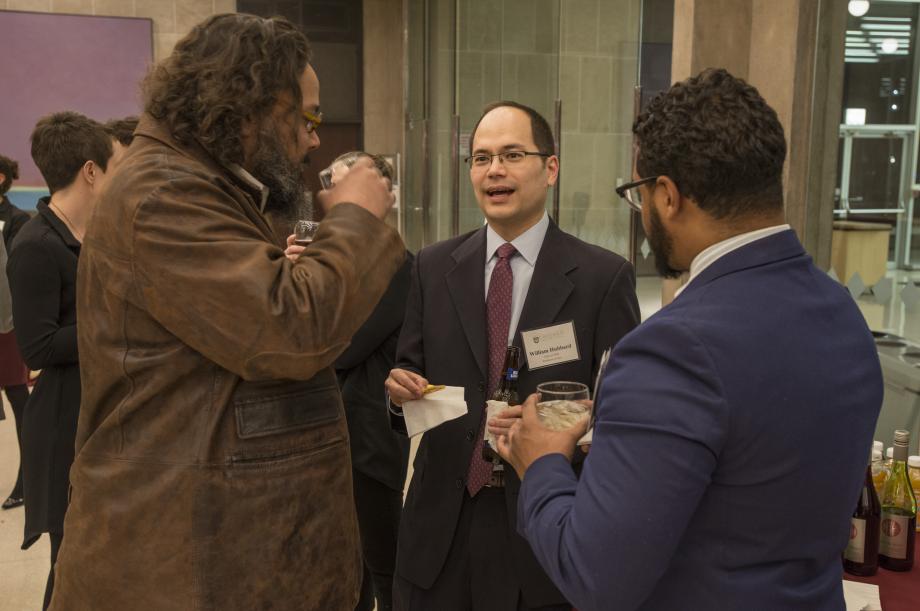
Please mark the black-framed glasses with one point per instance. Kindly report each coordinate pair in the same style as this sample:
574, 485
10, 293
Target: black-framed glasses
631, 192
484, 160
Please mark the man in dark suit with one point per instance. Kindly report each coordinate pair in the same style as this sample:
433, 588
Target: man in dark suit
471, 297
732, 427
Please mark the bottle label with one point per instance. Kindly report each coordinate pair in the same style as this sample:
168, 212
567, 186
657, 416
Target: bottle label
893, 536
856, 548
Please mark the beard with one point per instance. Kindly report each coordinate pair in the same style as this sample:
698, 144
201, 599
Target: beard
662, 245
287, 199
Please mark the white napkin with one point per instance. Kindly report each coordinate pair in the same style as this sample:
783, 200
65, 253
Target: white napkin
493, 408
586, 439
433, 409
861, 596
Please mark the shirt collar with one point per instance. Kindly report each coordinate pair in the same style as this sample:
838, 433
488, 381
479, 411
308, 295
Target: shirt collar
251, 181
718, 250
527, 244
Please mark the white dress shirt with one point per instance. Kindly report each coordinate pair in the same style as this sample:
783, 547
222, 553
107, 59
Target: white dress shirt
528, 246
718, 250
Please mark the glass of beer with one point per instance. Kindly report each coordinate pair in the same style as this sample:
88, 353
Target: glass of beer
304, 232
562, 404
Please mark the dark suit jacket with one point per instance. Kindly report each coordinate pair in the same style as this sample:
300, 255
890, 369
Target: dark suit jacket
444, 339
733, 430
376, 450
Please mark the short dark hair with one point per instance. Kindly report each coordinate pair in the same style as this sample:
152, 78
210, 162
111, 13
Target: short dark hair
228, 69
719, 141
10, 171
63, 142
539, 127
122, 130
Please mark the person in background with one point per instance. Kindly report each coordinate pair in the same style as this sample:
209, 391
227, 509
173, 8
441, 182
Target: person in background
732, 427
122, 132
212, 468
472, 296
14, 375
73, 153
379, 457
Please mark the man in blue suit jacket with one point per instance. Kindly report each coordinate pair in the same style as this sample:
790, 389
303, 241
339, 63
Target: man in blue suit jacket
733, 427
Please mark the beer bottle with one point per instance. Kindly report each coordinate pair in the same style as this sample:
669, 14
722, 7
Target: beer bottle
506, 391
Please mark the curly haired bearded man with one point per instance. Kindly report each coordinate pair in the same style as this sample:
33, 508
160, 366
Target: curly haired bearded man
212, 465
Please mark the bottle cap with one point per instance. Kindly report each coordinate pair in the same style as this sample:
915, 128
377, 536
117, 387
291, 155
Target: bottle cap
878, 445
913, 461
876, 455
889, 453
901, 438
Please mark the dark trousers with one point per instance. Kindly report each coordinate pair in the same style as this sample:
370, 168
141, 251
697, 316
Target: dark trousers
378, 507
477, 574
49, 587
18, 396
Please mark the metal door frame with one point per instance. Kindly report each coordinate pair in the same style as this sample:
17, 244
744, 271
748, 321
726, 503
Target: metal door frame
905, 210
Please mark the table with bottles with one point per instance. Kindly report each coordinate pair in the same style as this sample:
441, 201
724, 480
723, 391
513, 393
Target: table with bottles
883, 528
898, 591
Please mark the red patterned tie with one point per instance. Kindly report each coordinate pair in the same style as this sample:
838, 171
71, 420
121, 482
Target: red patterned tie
498, 313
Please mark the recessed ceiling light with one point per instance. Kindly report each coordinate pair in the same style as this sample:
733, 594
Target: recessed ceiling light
858, 8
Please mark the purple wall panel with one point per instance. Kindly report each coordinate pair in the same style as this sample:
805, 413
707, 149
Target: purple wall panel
89, 64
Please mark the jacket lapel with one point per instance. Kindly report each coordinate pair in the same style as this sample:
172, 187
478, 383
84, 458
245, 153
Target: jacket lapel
466, 284
550, 286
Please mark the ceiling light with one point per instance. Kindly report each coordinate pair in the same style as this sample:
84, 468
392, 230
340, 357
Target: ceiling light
889, 45
858, 8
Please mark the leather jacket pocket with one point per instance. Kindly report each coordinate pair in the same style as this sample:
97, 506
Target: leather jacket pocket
271, 408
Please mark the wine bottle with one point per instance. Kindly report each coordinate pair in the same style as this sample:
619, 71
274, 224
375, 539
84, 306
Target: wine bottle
506, 391
861, 555
899, 512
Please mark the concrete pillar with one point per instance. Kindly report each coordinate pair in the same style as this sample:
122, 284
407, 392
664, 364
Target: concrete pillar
792, 51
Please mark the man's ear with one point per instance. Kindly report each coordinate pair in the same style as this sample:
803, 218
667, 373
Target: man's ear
552, 170
670, 200
89, 172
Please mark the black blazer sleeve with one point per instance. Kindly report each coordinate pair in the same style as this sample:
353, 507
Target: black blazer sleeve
35, 283
383, 322
410, 351
619, 312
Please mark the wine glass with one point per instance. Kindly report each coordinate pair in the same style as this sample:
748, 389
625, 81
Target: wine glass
304, 232
562, 404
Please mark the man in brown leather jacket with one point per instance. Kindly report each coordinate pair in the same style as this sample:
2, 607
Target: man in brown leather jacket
212, 467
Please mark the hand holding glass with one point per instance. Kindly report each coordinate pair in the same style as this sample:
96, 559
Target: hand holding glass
562, 404
304, 232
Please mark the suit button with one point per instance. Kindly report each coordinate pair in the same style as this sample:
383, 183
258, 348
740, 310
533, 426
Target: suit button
469, 435
482, 386
459, 482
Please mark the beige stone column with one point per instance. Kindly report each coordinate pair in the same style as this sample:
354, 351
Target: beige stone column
384, 26
792, 51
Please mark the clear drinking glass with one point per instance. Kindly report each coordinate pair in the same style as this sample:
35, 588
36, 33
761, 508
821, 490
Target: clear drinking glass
562, 404
338, 168
304, 232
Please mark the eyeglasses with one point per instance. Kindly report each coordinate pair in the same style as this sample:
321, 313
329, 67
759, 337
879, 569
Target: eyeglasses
312, 120
631, 192
484, 160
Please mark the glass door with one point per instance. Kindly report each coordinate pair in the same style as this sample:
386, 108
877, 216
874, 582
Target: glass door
574, 61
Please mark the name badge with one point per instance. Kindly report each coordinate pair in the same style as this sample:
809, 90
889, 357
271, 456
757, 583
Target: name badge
550, 345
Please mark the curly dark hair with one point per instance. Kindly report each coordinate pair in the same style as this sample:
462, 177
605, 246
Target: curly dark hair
228, 69
719, 141
10, 171
122, 130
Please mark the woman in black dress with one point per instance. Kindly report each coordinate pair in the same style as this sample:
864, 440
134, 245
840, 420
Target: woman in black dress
14, 375
73, 153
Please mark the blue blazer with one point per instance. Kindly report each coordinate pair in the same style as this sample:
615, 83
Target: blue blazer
732, 436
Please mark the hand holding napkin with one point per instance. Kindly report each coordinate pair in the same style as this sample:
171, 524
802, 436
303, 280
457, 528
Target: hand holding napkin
434, 408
